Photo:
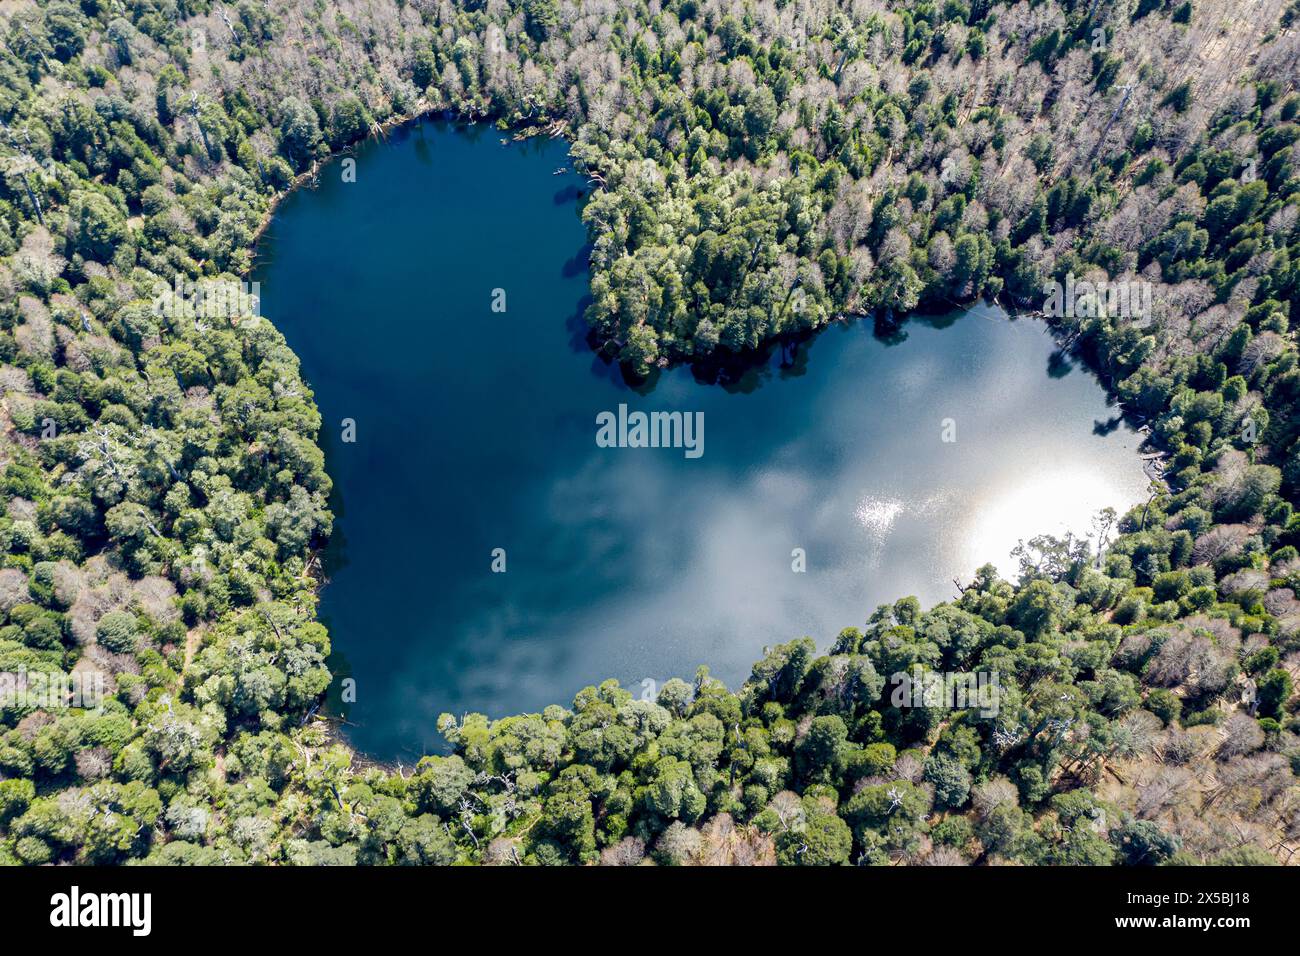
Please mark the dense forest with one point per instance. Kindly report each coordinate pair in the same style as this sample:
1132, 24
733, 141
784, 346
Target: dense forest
759, 169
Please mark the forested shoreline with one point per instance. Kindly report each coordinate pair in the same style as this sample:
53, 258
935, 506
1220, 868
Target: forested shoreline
759, 170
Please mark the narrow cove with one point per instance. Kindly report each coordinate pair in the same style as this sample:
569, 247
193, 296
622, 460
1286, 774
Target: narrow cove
491, 555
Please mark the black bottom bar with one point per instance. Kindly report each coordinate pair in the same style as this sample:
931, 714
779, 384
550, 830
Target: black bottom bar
330, 906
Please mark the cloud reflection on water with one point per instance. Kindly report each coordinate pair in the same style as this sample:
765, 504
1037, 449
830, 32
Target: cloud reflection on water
655, 566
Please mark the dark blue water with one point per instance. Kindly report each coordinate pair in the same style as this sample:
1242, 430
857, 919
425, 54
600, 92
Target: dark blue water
476, 430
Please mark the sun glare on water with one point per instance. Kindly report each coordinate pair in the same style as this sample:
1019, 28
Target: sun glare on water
1052, 501
877, 516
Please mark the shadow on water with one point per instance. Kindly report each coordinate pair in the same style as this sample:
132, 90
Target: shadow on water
1059, 364
789, 355
889, 331
1107, 427
743, 372
333, 559
335, 556
577, 265
738, 374
567, 195
578, 329
945, 320
423, 145
795, 364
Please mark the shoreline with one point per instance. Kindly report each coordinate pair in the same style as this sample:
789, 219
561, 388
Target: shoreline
721, 363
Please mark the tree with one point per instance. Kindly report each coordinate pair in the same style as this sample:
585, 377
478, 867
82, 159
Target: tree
642, 349
349, 122
440, 783
97, 227
1275, 692
672, 792
1037, 609
951, 781
116, 632
424, 841
540, 18
1143, 843
299, 132
824, 840
820, 754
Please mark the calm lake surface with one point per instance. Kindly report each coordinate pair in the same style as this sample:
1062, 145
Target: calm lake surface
475, 430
